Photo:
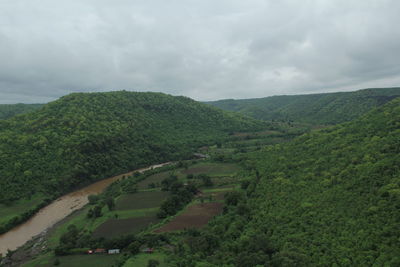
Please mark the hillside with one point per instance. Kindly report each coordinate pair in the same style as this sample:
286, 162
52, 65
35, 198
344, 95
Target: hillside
328, 198
329, 108
85, 137
10, 110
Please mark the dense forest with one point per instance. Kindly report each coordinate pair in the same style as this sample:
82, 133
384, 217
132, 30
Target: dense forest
10, 110
328, 198
84, 137
329, 108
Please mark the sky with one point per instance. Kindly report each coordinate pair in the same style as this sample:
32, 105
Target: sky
203, 49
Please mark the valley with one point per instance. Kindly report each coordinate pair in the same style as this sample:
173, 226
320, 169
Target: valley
136, 212
234, 191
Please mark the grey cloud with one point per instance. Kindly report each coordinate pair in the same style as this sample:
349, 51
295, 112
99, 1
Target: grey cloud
199, 48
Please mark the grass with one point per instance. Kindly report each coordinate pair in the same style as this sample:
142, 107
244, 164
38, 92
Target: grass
74, 260
81, 221
212, 169
221, 189
117, 227
155, 178
19, 207
136, 212
220, 170
195, 216
141, 200
142, 259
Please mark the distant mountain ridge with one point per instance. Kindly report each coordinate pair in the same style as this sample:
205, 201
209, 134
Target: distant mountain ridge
327, 108
10, 110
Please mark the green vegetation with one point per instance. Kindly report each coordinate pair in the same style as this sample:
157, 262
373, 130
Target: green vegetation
76, 261
328, 198
143, 260
117, 227
315, 109
19, 207
133, 219
10, 110
141, 200
82, 137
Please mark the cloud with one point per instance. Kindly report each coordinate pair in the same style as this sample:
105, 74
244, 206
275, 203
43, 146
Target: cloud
199, 48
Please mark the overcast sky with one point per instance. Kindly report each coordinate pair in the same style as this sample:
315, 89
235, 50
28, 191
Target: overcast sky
204, 49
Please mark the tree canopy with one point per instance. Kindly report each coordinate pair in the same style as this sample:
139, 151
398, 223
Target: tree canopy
87, 136
328, 108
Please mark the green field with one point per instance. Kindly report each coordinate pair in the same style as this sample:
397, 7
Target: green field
141, 200
117, 227
19, 207
135, 212
155, 178
208, 168
141, 260
75, 261
212, 169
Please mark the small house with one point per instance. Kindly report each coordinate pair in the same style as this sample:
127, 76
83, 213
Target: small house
114, 251
200, 155
148, 250
99, 250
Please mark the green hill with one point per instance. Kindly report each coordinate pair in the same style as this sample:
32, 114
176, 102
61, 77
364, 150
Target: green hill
327, 198
10, 110
84, 137
330, 108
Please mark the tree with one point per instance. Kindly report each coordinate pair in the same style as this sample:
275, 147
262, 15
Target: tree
93, 199
97, 212
110, 203
233, 198
207, 181
134, 247
153, 263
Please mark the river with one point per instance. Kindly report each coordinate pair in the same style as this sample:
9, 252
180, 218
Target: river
56, 211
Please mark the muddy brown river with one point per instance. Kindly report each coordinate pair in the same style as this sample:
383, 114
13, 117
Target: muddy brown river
56, 211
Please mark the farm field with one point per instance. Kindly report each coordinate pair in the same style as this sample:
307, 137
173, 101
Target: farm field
19, 207
217, 195
195, 216
155, 178
221, 171
212, 169
142, 260
117, 227
141, 200
75, 261
133, 212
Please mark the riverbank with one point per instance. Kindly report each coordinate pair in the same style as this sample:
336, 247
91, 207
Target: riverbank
35, 246
58, 210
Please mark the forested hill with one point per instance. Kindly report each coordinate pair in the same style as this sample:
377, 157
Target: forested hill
328, 198
330, 108
10, 110
86, 136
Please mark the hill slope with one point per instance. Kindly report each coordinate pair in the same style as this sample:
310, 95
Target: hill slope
330, 108
83, 137
328, 198
10, 110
